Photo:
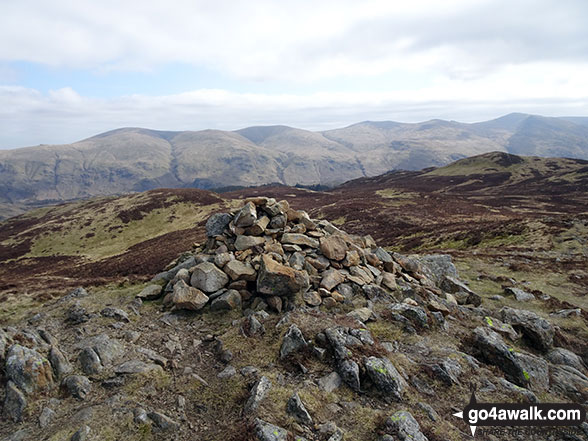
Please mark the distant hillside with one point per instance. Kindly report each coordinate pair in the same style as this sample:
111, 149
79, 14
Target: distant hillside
132, 159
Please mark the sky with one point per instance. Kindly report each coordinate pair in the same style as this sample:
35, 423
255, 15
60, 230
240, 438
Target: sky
73, 69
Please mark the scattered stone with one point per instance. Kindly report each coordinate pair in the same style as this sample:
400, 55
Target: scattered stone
163, 422
186, 297
78, 386
296, 408
293, 341
415, 314
81, 434
330, 382
405, 427
227, 372
207, 277
463, 294
115, 313
47, 415
268, 432
136, 367
519, 294
246, 217
257, 394
361, 314
15, 403
434, 416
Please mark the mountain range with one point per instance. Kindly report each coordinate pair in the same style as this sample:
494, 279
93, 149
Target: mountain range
135, 159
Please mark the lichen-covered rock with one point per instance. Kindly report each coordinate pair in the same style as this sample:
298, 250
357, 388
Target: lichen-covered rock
488, 346
565, 357
405, 427
90, 361
569, 382
519, 294
415, 314
78, 386
29, 371
208, 278
61, 366
385, 377
538, 331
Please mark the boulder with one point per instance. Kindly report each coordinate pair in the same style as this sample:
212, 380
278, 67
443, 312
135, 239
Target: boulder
77, 386
276, 279
331, 278
268, 432
406, 428
258, 228
565, 357
460, 291
243, 243
238, 270
293, 341
136, 367
312, 298
150, 292
489, 347
115, 313
416, 314
295, 407
437, 267
299, 239
519, 294
227, 301
163, 422
536, 370
186, 297
61, 366
246, 216
569, 382
28, 370
334, 247
208, 278
538, 331
330, 382
349, 372
90, 362
258, 392
385, 377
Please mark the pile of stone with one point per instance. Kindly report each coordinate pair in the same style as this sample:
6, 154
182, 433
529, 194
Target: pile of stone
268, 256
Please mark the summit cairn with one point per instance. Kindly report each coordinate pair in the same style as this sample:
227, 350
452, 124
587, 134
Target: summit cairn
269, 256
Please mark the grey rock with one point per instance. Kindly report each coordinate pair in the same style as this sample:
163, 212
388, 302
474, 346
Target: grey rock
296, 408
330, 382
461, 292
437, 267
538, 331
565, 357
447, 370
81, 434
238, 270
15, 403
433, 415
90, 361
405, 426
536, 370
519, 294
361, 314
217, 223
29, 371
385, 377
153, 356
374, 292
334, 247
489, 347
115, 313
227, 301
524, 393
252, 326
415, 314
297, 261
349, 372
61, 366
78, 386
207, 277
47, 415
136, 367
163, 422
170, 274
257, 394
77, 314
268, 432
569, 382
108, 349
292, 342
246, 216
245, 242
227, 372
140, 416
150, 292
276, 279
278, 222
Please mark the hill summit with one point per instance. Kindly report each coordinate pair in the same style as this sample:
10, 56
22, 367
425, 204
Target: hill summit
280, 327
